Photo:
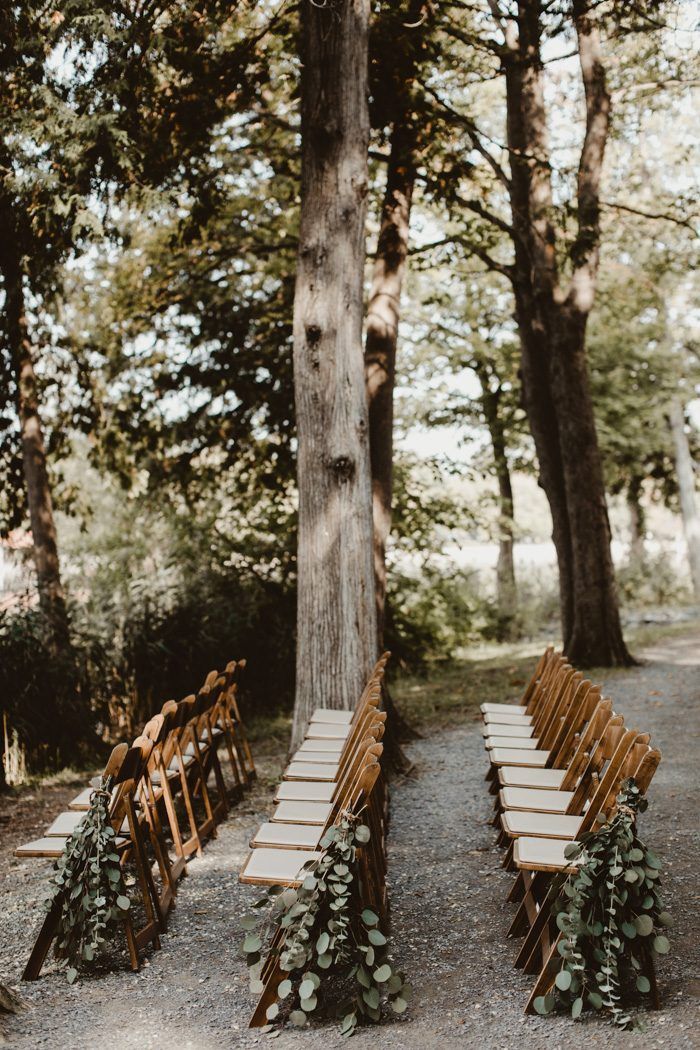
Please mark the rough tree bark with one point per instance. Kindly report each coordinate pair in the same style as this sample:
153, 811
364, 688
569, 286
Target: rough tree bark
36, 478
552, 321
686, 491
336, 618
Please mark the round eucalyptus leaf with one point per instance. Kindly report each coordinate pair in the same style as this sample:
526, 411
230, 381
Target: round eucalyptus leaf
377, 938
369, 918
665, 918
306, 989
382, 973
252, 943
298, 1017
644, 925
362, 834
544, 1004
563, 980
123, 903
661, 944
322, 943
308, 1004
576, 1008
399, 1005
272, 1011
643, 984
284, 988
249, 922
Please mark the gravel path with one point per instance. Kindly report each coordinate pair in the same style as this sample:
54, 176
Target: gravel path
449, 919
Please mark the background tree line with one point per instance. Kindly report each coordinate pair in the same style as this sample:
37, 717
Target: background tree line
184, 295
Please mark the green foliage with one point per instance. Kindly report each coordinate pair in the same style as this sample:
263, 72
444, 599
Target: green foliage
334, 954
88, 885
610, 916
45, 694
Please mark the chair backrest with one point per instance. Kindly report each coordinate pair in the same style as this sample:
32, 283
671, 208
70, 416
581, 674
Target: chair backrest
530, 693
586, 743
614, 745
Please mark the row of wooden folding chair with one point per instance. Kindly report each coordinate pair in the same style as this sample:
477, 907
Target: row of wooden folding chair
556, 764
121, 776
336, 771
181, 764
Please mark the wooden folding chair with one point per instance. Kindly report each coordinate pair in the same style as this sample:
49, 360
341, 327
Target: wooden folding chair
121, 775
369, 891
548, 688
525, 709
539, 953
313, 765
558, 744
307, 834
543, 800
533, 855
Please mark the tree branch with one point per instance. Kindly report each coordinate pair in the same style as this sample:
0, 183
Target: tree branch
666, 216
474, 134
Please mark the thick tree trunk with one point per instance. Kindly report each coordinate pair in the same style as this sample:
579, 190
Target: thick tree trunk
637, 521
596, 632
39, 503
552, 326
336, 618
381, 340
686, 491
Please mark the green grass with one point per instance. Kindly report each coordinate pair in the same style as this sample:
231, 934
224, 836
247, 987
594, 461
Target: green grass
450, 693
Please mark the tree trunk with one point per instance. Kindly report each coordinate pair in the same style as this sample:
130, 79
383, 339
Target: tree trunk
39, 503
596, 632
552, 326
381, 341
686, 492
637, 521
336, 618
506, 591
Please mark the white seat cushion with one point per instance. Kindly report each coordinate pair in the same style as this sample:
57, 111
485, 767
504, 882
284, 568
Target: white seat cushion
65, 824
511, 756
504, 709
503, 729
310, 771
287, 836
332, 747
327, 714
305, 791
81, 801
506, 719
302, 812
327, 758
539, 854
543, 825
535, 800
268, 867
519, 776
326, 731
523, 743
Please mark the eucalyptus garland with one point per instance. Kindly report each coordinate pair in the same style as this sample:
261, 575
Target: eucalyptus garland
610, 915
334, 953
89, 886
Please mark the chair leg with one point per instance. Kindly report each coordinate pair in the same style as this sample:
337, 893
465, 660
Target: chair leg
42, 944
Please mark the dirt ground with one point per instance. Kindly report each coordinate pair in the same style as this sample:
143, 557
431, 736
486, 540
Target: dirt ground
447, 891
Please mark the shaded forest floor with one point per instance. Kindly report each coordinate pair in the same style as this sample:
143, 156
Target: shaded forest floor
447, 890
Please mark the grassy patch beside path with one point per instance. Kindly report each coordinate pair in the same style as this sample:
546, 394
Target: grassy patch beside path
450, 693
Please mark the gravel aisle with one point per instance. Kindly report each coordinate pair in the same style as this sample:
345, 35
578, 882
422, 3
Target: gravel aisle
449, 919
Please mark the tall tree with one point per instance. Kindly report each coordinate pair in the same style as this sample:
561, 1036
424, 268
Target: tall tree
399, 42
552, 318
336, 618
686, 491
